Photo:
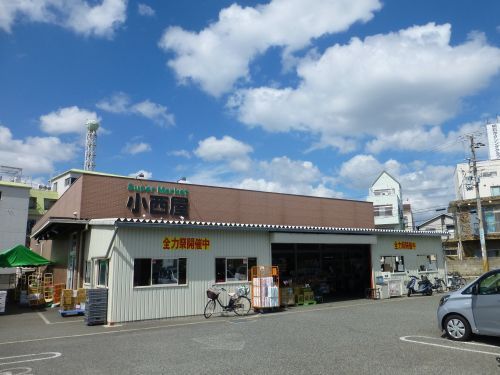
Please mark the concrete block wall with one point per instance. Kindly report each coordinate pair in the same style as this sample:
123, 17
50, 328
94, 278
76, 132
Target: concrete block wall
471, 267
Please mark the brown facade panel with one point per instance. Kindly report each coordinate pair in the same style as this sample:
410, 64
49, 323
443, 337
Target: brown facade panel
65, 206
107, 197
94, 196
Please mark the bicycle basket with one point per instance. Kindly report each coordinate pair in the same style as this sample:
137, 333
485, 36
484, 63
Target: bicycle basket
242, 291
212, 293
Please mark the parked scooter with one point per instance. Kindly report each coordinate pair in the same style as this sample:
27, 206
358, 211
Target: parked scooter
424, 286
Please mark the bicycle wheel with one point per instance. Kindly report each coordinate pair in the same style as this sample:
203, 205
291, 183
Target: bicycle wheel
242, 306
209, 308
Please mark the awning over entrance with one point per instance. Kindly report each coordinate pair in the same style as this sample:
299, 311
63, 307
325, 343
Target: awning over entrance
56, 226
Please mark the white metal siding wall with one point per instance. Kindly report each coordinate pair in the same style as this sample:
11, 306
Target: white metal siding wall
13, 215
425, 246
99, 240
127, 303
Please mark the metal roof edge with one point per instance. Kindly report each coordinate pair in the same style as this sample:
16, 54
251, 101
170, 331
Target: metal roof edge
267, 227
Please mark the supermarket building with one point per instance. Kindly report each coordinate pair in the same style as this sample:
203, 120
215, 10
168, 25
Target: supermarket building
157, 246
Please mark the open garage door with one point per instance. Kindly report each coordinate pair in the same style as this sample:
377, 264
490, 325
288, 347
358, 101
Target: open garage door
333, 271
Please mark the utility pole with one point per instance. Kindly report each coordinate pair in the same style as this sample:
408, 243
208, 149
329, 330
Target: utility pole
482, 241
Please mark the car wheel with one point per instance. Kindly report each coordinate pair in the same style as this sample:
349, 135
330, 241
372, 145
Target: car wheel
457, 328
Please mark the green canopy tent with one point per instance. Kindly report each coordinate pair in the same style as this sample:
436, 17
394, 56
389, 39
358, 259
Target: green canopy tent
21, 256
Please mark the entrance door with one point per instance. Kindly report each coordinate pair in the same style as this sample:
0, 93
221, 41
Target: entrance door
486, 305
70, 271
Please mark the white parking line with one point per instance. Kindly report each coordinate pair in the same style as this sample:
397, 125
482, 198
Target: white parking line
47, 355
43, 318
465, 349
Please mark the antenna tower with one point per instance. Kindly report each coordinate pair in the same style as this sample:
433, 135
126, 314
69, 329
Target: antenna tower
90, 145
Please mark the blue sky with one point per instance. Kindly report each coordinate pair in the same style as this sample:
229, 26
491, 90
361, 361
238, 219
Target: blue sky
298, 96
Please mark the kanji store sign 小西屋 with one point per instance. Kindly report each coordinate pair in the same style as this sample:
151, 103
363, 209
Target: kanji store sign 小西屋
186, 243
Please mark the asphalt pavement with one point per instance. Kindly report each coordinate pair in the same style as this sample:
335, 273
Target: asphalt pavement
396, 336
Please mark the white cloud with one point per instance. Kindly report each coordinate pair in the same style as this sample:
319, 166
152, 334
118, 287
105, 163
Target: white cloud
242, 33
212, 149
121, 103
145, 10
142, 174
361, 171
156, 112
421, 139
83, 17
424, 186
381, 85
117, 103
67, 120
136, 148
35, 155
280, 174
181, 153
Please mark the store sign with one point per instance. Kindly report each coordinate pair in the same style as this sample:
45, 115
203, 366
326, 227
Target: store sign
405, 245
156, 204
186, 243
158, 189
493, 141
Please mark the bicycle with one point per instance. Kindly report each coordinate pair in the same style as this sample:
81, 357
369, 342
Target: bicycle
455, 281
439, 285
239, 303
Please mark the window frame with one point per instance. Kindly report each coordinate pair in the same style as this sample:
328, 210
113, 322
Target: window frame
377, 212
99, 263
32, 203
245, 261
430, 262
162, 285
393, 264
47, 200
496, 280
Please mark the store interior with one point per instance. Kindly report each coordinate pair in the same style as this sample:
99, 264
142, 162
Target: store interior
332, 271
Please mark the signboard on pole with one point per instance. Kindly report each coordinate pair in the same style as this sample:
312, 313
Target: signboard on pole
493, 140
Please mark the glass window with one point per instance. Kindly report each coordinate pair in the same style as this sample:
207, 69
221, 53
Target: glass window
32, 204
489, 174
102, 272
165, 271
390, 263
233, 269
490, 285
384, 192
383, 210
495, 190
142, 272
160, 272
427, 262
86, 278
48, 203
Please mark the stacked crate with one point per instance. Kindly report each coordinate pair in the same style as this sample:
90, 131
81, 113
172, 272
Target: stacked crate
96, 306
67, 300
81, 297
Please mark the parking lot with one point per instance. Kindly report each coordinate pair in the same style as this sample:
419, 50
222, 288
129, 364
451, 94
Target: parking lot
393, 336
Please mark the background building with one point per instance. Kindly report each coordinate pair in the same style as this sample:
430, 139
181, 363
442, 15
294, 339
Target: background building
385, 194
489, 180
443, 223
14, 199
